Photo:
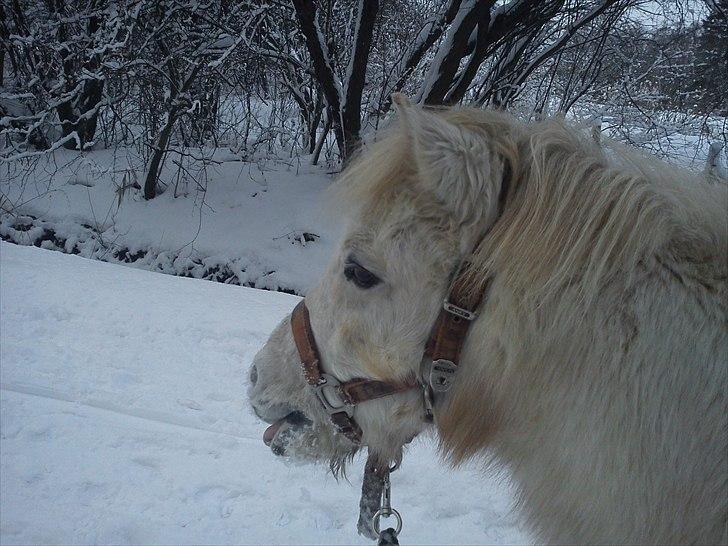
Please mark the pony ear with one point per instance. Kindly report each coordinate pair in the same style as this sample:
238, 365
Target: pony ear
452, 161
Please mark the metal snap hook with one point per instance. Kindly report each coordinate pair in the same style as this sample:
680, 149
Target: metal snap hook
381, 514
385, 509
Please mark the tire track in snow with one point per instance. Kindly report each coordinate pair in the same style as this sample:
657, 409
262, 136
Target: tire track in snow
139, 413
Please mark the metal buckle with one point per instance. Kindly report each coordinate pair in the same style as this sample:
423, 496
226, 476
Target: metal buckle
459, 311
442, 374
427, 402
327, 393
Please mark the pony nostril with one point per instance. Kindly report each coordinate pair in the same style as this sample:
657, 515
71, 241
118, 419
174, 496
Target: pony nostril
253, 375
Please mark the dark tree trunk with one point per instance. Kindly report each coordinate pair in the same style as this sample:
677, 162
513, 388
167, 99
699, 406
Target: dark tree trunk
322, 140
351, 111
155, 163
81, 117
80, 114
162, 139
343, 105
417, 52
313, 125
306, 14
439, 83
205, 128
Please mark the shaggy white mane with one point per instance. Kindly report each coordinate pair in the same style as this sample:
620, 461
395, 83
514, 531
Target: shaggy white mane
576, 214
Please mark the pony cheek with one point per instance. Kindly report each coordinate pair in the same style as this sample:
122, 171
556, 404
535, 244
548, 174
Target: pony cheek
370, 354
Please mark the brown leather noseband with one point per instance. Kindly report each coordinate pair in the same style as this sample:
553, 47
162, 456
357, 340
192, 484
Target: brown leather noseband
442, 353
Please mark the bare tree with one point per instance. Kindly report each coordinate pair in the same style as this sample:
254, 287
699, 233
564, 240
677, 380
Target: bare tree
343, 94
57, 52
160, 74
497, 49
181, 46
479, 49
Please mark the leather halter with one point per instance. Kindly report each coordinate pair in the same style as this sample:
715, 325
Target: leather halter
442, 350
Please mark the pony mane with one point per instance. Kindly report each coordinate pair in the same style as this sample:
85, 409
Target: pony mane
578, 214
582, 215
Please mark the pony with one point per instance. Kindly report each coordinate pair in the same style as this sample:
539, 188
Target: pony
596, 369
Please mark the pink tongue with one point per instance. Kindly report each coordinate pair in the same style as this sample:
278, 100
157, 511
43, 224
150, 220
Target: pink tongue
270, 432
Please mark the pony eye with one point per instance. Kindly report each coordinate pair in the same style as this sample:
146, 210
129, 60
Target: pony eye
359, 275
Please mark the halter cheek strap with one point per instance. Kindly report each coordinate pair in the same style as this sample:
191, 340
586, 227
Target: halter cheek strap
442, 350
448, 334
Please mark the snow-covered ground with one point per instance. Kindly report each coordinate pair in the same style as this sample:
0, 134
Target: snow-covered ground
267, 224
123, 421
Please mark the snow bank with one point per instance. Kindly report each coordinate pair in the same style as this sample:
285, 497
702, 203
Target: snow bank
263, 225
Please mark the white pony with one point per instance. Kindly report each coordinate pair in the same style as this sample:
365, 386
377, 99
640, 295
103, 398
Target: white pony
596, 369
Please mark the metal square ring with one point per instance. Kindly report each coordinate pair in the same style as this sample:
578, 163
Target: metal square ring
326, 388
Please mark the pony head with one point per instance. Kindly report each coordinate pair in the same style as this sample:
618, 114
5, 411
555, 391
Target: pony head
421, 197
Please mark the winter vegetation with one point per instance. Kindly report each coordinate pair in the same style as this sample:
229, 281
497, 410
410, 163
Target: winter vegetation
172, 82
139, 100
201, 139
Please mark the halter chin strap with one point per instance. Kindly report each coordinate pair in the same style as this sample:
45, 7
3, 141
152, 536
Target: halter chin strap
442, 355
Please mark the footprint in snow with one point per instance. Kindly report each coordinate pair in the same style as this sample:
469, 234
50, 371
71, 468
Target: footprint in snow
209, 419
451, 511
283, 520
218, 498
191, 404
147, 462
216, 397
38, 432
33, 477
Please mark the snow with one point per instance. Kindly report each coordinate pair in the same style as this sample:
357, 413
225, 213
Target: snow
123, 420
247, 215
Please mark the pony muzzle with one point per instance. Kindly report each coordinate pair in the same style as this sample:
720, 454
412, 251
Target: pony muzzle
294, 420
